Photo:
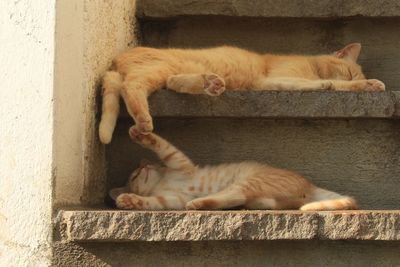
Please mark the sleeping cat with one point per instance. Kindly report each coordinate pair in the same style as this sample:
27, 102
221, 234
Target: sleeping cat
140, 71
182, 185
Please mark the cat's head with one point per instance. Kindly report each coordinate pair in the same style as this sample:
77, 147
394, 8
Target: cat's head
342, 65
141, 181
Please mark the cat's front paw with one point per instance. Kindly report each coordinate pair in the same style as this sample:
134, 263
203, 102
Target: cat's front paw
374, 85
326, 85
128, 201
141, 138
213, 84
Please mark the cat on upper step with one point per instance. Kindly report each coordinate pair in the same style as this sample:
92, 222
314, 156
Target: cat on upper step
180, 184
138, 72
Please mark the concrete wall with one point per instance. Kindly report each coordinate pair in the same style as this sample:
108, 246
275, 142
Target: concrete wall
26, 132
48, 137
88, 35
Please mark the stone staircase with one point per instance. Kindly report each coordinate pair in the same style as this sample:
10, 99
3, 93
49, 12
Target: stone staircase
347, 142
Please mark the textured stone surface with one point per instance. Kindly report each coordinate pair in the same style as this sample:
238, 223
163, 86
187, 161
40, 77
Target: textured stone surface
269, 8
193, 226
363, 225
106, 225
266, 104
89, 35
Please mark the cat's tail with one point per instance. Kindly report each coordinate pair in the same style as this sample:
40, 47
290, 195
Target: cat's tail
322, 199
112, 84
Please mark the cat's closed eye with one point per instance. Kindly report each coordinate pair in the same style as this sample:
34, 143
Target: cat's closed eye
134, 175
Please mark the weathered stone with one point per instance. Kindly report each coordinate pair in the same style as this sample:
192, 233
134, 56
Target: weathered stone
275, 104
363, 225
113, 226
269, 8
179, 225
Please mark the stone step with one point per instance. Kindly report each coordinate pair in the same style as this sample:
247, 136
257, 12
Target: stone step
124, 226
268, 8
276, 104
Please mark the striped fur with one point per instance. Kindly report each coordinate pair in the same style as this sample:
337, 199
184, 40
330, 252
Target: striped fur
140, 71
182, 185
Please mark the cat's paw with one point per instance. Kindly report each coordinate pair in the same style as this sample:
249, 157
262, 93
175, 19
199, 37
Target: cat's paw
326, 85
141, 138
128, 201
213, 84
144, 124
374, 85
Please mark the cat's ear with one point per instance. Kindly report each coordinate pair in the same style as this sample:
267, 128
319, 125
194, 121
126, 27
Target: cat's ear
351, 51
115, 192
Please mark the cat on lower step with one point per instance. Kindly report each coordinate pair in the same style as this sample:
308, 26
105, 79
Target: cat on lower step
181, 185
140, 71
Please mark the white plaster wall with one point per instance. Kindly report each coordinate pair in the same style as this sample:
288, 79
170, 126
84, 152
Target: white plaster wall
26, 131
47, 118
89, 33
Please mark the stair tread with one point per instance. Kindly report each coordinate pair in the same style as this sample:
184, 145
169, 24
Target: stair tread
276, 104
116, 225
269, 8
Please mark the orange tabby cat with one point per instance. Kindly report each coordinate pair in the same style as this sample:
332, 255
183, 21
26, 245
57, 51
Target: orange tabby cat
140, 71
183, 185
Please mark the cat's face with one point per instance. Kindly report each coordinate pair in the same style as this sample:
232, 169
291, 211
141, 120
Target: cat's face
344, 69
344, 65
141, 181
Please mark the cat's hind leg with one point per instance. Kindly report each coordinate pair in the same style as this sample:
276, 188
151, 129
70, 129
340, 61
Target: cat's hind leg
261, 203
130, 201
136, 88
322, 199
210, 84
228, 198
